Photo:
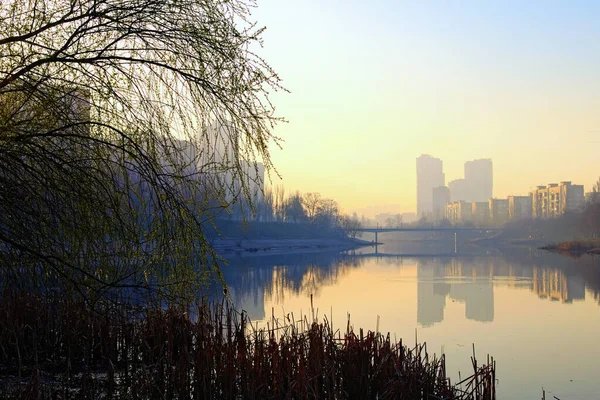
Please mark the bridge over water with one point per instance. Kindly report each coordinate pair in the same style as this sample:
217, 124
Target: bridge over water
402, 256
455, 230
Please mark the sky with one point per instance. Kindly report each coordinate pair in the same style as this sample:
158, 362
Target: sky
375, 84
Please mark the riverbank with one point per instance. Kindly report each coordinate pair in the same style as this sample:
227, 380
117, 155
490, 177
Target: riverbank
503, 242
257, 238
571, 248
279, 246
575, 247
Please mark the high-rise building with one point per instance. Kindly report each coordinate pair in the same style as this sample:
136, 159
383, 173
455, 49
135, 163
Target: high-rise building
459, 190
480, 177
429, 175
441, 197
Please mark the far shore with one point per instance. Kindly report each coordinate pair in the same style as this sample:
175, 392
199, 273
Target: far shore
575, 247
278, 246
501, 241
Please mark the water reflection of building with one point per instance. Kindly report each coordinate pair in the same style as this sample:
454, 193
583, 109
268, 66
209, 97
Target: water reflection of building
478, 299
554, 285
472, 282
469, 285
547, 276
431, 294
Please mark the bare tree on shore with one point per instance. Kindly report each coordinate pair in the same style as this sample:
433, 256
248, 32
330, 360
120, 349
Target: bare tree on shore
351, 225
394, 221
311, 202
294, 209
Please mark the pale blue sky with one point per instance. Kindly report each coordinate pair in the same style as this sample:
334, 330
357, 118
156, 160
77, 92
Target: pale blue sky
375, 84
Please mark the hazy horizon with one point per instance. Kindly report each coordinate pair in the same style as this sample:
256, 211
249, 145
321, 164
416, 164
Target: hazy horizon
373, 86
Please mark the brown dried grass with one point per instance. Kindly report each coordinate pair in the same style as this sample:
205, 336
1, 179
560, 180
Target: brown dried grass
54, 348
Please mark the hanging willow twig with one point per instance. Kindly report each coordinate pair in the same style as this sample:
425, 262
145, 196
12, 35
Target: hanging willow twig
125, 125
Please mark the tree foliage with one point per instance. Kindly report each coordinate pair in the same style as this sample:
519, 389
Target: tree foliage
123, 127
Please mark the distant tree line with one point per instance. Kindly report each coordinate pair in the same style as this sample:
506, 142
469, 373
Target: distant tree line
296, 208
590, 218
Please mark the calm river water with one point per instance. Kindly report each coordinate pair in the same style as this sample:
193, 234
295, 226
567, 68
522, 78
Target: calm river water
537, 313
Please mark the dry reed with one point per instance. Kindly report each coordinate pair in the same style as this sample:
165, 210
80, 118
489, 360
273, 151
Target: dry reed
54, 348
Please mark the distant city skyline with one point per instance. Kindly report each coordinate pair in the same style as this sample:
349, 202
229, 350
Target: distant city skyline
516, 82
433, 194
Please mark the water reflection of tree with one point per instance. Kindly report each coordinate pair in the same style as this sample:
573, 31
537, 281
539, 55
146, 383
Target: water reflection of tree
272, 277
590, 270
309, 278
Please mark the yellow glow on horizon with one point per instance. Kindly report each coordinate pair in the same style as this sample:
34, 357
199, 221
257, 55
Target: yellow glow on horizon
365, 104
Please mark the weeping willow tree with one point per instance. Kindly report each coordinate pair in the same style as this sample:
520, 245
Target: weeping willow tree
125, 125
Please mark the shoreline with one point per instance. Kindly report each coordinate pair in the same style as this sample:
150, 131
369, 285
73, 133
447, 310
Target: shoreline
574, 247
285, 246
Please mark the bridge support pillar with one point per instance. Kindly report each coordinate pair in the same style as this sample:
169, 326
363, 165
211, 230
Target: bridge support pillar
376, 241
454, 242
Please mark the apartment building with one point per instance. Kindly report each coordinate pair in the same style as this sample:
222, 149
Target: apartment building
480, 211
555, 199
520, 207
458, 212
498, 211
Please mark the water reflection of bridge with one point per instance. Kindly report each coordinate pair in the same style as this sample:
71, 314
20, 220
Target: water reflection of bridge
415, 255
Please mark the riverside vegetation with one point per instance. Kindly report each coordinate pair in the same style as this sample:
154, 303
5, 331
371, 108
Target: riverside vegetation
54, 348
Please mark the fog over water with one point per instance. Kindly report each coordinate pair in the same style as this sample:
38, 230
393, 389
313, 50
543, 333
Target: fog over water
537, 313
